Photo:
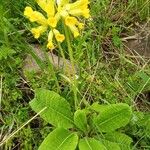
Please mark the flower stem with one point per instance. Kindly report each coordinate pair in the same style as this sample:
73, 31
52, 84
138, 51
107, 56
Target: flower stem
74, 83
63, 55
51, 69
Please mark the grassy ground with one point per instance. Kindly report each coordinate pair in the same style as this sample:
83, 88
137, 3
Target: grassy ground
107, 72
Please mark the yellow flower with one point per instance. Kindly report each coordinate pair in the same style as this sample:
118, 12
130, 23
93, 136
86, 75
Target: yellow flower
80, 12
75, 31
63, 13
28, 11
80, 25
57, 10
59, 37
62, 2
38, 17
69, 11
38, 31
35, 16
50, 44
48, 6
52, 21
73, 23
69, 21
78, 8
86, 13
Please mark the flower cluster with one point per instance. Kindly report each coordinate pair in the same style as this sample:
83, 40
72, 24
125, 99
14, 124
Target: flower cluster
55, 11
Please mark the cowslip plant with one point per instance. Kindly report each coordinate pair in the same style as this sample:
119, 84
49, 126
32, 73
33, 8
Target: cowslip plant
94, 127
67, 15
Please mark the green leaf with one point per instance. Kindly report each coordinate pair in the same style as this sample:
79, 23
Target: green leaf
123, 140
60, 139
57, 110
108, 144
113, 117
116, 41
80, 120
111, 145
91, 144
6, 52
98, 108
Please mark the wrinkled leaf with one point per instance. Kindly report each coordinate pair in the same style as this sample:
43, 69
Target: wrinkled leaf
91, 144
80, 120
111, 145
123, 140
60, 139
113, 117
57, 110
98, 108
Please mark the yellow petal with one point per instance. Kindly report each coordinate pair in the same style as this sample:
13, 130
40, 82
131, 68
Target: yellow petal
80, 12
84, 2
76, 34
77, 4
41, 3
35, 33
78, 8
62, 2
52, 21
80, 25
69, 21
86, 13
50, 36
59, 37
47, 6
36, 16
63, 13
50, 45
38, 31
28, 11
74, 30
55, 31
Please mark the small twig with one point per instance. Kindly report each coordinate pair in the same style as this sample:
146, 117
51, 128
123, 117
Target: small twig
140, 91
20, 31
132, 37
82, 100
1, 91
13, 133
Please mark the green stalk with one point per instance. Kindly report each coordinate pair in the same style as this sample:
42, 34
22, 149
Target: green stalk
51, 69
64, 59
74, 84
62, 54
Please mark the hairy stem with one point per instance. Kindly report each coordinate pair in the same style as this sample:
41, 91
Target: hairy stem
74, 83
